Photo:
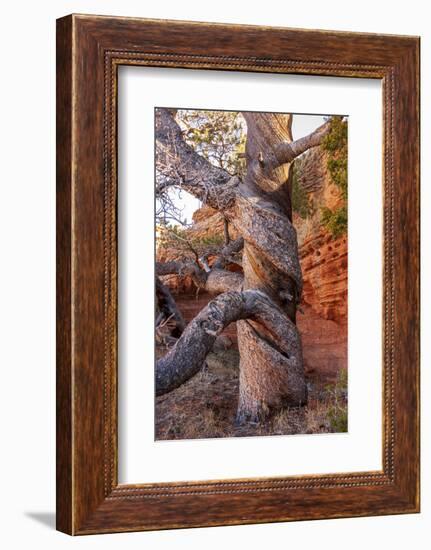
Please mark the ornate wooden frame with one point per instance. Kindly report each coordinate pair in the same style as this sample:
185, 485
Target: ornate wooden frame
89, 51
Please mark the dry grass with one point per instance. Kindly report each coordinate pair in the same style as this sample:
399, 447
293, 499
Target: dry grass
205, 406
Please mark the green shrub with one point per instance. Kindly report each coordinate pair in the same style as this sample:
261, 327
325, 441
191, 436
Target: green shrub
336, 139
342, 381
338, 419
335, 221
338, 169
335, 144
337, 412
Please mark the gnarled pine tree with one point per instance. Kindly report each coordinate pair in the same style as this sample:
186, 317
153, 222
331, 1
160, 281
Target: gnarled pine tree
264, 299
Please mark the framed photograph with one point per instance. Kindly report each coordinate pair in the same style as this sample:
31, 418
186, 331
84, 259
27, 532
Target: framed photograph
237, 274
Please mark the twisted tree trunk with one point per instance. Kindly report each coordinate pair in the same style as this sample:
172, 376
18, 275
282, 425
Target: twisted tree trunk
271, 265
271, 365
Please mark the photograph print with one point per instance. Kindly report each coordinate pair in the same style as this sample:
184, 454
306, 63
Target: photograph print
251, 285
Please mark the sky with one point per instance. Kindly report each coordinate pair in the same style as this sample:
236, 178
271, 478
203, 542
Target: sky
301, 126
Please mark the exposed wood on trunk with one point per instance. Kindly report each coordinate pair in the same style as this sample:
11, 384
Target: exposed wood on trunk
271, 232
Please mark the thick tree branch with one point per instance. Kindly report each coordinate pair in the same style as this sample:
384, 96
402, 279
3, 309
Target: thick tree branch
268, 160
186, 358
174, 267
287, 152
180, 166
220, 280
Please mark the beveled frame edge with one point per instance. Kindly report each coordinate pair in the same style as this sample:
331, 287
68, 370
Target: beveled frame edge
90, 500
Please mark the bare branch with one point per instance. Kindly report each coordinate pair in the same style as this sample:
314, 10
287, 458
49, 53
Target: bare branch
183, 269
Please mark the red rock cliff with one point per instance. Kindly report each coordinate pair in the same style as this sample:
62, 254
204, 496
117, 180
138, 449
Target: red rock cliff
323, 257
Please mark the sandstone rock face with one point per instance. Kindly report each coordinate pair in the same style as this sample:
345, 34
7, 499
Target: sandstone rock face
324, 345
324, 270
323, 257
312, 172
208, 223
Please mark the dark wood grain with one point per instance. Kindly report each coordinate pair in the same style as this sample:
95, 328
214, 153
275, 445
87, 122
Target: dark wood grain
89, 499
64, 288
